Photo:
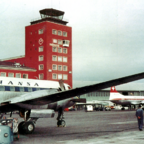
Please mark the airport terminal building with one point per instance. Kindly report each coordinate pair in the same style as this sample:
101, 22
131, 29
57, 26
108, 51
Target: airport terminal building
48, 50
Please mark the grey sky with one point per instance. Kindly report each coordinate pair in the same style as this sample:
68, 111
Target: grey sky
107, 35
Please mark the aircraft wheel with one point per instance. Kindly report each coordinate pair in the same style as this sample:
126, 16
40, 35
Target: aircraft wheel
28, 127
123, 108
61, 123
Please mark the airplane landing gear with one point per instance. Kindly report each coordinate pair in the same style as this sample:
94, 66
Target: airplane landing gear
61, 123
60, 118
26, 127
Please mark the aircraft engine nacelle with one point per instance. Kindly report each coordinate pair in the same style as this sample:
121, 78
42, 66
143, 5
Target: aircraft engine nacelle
37, 113
42, 113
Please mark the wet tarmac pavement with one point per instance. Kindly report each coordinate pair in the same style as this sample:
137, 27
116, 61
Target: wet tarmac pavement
87, 128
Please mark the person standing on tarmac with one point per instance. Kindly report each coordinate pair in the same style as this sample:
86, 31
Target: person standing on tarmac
139, 115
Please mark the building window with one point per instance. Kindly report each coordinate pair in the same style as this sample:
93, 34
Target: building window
60, 50
41, 76
18, 75
64, 59
40, 31
60, 58
54, 58
60, 33
64, 68
54, 67
10, 74
54, 40
25, 75
66, 43
41, 49
54, 76
60, 42
65, 77
54, 49
59, 76
65, 34
3, 74
65, 50
54, 31
41, 58
60, 67
41, 67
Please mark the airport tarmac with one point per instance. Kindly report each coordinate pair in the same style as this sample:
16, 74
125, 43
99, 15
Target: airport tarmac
87, 128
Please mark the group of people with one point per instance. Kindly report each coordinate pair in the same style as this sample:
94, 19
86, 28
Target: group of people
139, 115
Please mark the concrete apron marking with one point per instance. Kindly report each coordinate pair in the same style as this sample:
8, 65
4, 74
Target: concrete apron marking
127, 122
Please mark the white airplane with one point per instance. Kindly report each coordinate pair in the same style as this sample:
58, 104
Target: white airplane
40, 98
125, 101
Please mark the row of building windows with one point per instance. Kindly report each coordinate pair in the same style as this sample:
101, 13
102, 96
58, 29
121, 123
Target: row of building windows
98, 94
59, 32
17, 75
55, 32
60, 76
65, 43
55, 76
54, 58
59, 67
60, 50
55, 49
59, 58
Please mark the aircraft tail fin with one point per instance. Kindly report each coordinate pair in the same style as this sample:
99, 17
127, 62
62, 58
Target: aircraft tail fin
114, 94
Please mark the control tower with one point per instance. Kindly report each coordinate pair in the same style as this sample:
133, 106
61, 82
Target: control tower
51, 15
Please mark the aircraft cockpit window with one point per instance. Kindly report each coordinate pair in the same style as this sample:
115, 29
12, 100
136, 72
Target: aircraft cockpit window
12, 88
21, 89
2, 88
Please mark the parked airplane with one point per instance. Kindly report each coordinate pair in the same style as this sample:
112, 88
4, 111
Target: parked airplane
125, 101
40, 98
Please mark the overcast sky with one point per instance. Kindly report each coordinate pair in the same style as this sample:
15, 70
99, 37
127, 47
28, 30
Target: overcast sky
108, 35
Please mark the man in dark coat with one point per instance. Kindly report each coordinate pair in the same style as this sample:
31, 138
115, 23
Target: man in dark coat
139, 115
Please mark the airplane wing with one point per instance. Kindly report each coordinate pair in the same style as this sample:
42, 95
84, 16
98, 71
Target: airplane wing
46, 96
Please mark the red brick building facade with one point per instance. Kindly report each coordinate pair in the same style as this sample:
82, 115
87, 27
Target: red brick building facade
48, 50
